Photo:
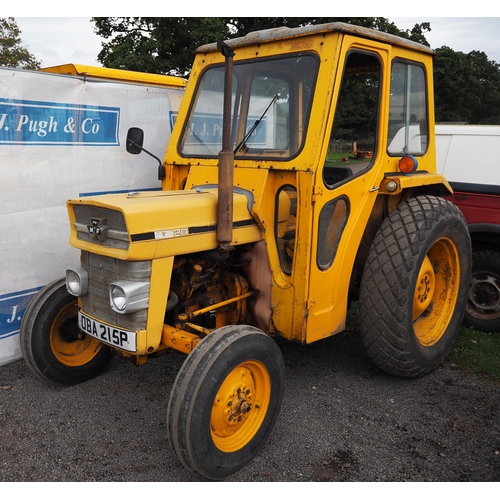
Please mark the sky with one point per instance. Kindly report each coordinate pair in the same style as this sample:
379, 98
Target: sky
62, 40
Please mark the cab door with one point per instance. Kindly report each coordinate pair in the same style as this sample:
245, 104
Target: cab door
345, 184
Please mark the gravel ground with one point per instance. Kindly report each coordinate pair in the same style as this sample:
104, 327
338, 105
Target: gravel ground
342, 419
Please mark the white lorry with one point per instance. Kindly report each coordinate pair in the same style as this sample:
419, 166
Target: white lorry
62, 135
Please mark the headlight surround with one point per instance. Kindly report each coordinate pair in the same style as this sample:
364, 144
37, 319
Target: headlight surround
77, 281
127, 297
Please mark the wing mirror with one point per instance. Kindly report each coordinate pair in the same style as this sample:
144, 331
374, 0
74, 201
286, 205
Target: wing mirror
134, 142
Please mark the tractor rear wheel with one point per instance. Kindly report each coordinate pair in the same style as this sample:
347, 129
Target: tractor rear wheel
415, 286
225, 400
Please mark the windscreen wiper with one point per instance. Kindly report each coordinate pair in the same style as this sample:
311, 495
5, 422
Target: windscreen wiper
254, 126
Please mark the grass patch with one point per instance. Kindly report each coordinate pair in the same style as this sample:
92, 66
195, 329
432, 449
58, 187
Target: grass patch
352, 320
474, 351
478, 352
335, 159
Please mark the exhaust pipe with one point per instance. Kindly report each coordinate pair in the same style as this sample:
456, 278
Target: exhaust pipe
226, 159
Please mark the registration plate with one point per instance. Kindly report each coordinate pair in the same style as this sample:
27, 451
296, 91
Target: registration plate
124, 339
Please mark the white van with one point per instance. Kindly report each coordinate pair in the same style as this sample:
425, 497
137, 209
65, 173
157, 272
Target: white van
467, 155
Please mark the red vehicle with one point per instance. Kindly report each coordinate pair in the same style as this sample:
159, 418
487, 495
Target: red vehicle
467, 155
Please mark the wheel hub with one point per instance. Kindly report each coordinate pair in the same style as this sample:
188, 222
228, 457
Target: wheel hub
70, 331
233, 404
424, 289
485, 293
435, 301
239, 405
69, 344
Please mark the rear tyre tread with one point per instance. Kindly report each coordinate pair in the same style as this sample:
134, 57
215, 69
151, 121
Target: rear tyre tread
387, 287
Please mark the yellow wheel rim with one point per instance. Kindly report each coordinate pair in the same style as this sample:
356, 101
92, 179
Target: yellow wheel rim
240, 406
436, 292
69, 344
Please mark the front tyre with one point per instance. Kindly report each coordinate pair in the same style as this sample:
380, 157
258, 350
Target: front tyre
415, 285
52, 344
225, 401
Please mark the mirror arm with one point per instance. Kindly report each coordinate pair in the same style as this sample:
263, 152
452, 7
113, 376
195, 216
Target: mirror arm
161, 168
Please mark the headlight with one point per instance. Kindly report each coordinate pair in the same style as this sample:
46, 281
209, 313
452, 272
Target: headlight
118, 298
127, 297
77, 281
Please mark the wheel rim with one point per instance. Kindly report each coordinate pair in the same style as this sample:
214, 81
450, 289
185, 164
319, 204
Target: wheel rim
484, 298
240, 406
69, 344
436, 292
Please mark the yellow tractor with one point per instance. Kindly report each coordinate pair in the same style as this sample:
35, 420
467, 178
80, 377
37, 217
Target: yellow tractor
255, 235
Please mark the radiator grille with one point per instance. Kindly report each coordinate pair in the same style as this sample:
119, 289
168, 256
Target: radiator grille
104, 270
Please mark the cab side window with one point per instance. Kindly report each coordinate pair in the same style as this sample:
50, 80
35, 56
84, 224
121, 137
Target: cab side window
332, 221
286, 211
354, 131
408, 125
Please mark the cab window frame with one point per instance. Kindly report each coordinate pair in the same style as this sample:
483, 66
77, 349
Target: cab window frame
392, 136
239, 91
326, 249
343, 172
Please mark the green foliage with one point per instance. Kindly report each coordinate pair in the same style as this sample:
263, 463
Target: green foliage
478, 352
357, 106
161, 45
165, 45
12, 53
467, 87
352, 319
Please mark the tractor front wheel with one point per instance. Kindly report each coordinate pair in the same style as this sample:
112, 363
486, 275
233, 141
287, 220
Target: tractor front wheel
53, 346
225, 401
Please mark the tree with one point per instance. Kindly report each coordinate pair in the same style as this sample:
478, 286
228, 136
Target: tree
12, 53
467, 87
162, 45
165, 44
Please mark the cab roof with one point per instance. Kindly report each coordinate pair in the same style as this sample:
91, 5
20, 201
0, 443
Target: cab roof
274, 34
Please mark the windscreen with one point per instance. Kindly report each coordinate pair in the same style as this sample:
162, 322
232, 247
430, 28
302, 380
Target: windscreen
271, 102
